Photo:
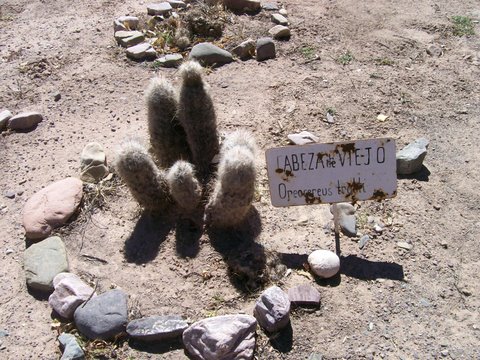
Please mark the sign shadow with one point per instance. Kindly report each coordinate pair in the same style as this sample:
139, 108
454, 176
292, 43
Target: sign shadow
363, 269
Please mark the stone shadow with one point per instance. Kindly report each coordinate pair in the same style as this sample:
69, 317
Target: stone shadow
422, 175
156, 347
282, 341
38, 294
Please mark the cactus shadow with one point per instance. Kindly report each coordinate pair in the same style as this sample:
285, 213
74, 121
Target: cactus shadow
143, 244
187, 235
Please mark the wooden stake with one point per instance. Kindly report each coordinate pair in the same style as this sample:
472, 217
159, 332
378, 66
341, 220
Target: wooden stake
337, 229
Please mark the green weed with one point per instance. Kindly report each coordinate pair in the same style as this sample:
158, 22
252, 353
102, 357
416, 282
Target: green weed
462, 25
346, 58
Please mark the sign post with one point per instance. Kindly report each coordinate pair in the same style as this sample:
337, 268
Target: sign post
332, 173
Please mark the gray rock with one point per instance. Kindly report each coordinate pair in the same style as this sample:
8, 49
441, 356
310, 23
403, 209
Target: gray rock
272, 309
177, 4
5, 115
283, 12
404, 245
304, 295
363, 241
303, 138
43, 261
270, 7
118, 26
9, 194
70, 292
57, 96
157, 328
280, 32
209, 55
104, 316
242, 5
434, 50
143, 51
170, 60
162, 8
245, 50
324, 263
279, 19
71, 348
410, 158
346, 219
124, 34
3, 333
315, 356
25, 121
93, 162
133, 40
221, 337
129, 22
265, 49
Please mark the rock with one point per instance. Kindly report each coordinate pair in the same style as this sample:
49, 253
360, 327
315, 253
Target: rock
280, 32
71, 349
104, 316
9, 251
283, 12
70, 292
25, 121
363, 241
177, 4
51, 207
303, 138
404, 245
129, 22
143, 51
434, 50
157, 328
242, 5
57, 96
279, 19
43, 261
265, 49
221, 337
245, 50
118, 26
272, 309
270, 7
170, 60
162, 8
132, 40
315, 356
208, 55
346, 219
9, 194
324, 263
378, 229
410, 158
5, 115
93, 163
124, 34
304, 295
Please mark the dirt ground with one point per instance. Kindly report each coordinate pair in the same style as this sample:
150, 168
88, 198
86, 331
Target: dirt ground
387, 303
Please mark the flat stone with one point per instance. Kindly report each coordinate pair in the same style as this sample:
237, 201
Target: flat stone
5, 115
118, 26
143, 51
170, 60
363, 241
43, 261
265, 49
177, 4
70, 292
132, 40
270, 6
410, 158
124, 34
303, 138
279, 19
51, 207
242, 5
71, 348
93, 162
304, 295
159, 8
246, 50
272, 309
104, 316
130, 22
209, 55
157, 328
346, 219
324, 263
283, 12
25, 121
221, 337
404, 245
280, 32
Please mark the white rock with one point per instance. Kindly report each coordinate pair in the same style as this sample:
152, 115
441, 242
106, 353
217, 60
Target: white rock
324, 263
280, 32
5, 115
283, 12
159, 8
279, 19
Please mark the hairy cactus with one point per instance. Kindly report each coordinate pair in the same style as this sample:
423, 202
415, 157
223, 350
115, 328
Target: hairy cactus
234, 190
184, 187
167, 136
197, 116
146, 182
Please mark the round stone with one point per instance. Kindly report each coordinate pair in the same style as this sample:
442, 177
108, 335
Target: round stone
324, 263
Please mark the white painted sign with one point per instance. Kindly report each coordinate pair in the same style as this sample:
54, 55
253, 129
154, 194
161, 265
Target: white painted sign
331, 173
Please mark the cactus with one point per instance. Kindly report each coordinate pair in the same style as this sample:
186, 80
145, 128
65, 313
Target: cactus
184, 187
234, 190
197, 116
146, 182
167, 136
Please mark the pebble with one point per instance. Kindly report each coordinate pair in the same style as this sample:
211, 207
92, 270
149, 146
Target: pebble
304, 295
57, 96
25, 121
279, 19
93, 163
272, 309
377, 228
404, 245
132, 40
324, 263
51, 207
103, 316
9, 194
315, 356
221, 337
118, 26
434, 50
5, 115
209, 55
143, 51
303, 138
157, 328
70, 292
170, 60
280, 32
43, 261
283, 12
129, 22
162, 8
241, 5
9, 251
245, 50
410, 158
346, 219
177, 4
265, 49
71, 348
270, 7
363, 241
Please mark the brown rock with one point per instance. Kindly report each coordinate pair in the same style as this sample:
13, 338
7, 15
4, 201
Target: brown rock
305, 295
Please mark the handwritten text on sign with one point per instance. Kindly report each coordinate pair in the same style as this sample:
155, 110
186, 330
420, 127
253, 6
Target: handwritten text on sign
331, 173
